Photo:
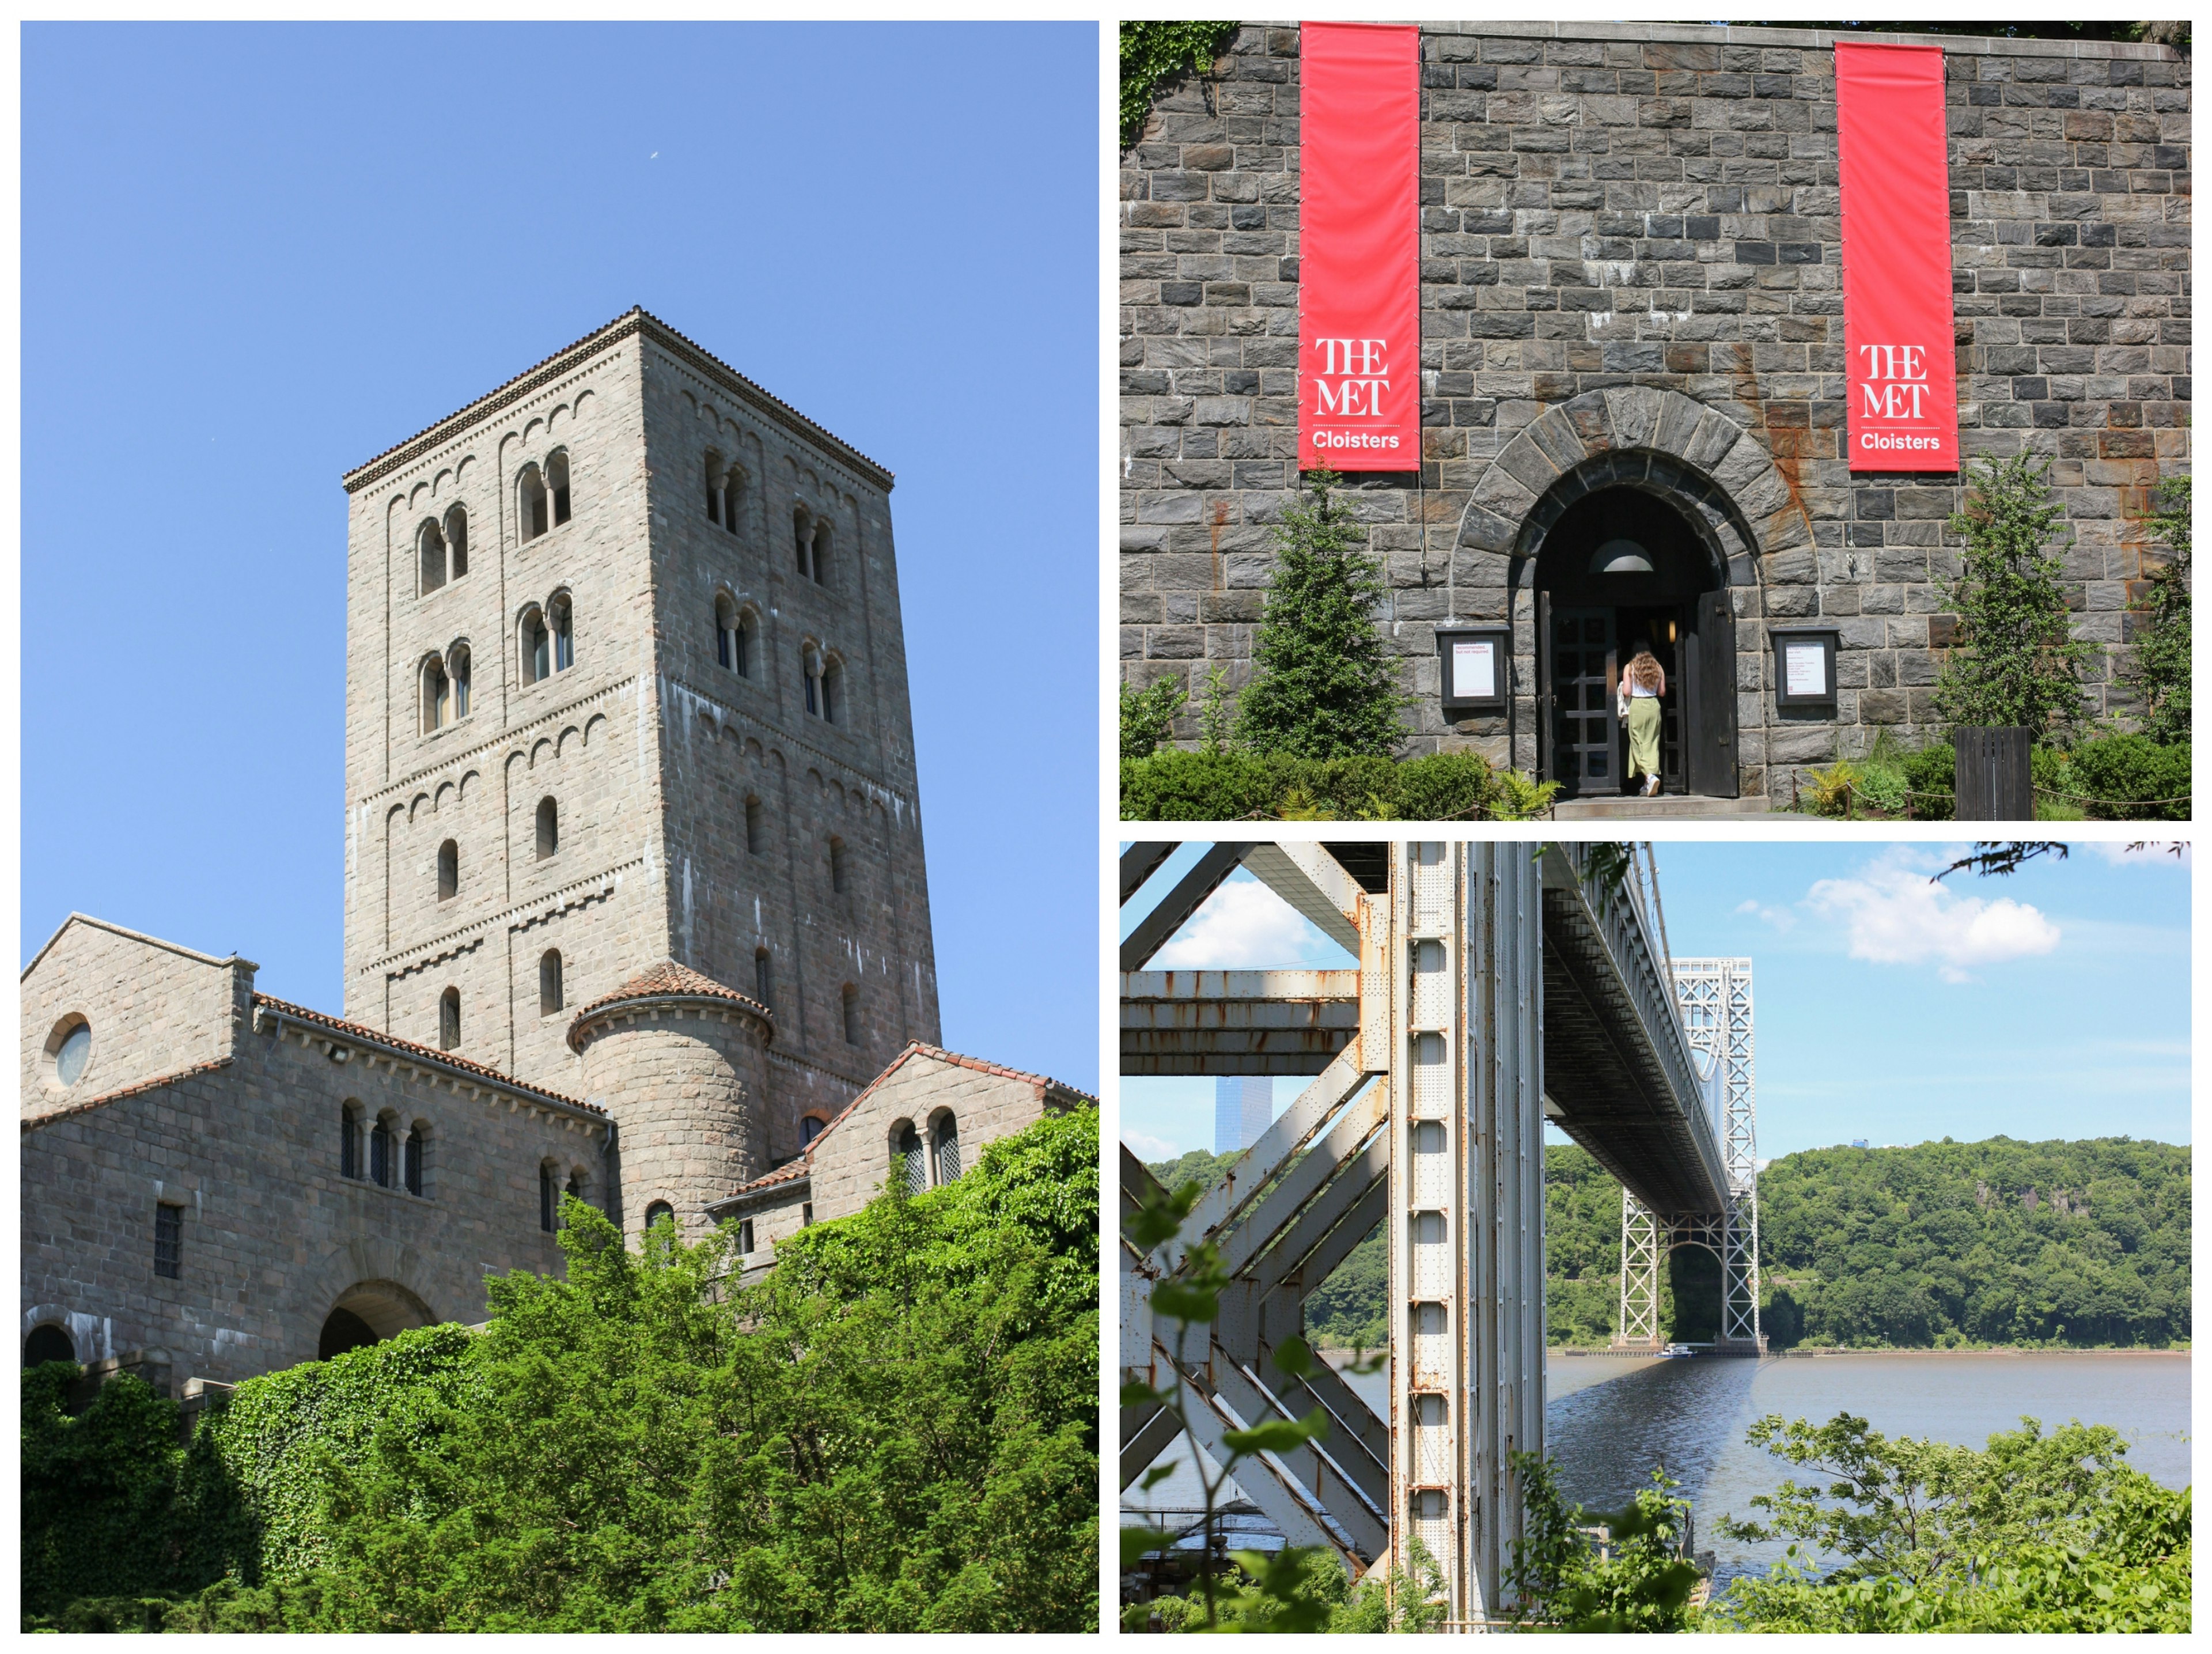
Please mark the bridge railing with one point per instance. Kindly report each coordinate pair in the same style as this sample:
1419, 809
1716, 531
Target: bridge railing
1631, 936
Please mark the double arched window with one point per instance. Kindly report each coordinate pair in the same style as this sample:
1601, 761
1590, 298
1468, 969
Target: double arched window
825, 682
445, 689
736, 636
441, 552
548, 638
811, 537
726, 487
541, 497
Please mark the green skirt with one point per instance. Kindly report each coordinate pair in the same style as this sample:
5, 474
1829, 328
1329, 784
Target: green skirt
1643, 735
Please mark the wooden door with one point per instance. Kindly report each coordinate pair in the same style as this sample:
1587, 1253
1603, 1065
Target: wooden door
1709, 720
1584, 674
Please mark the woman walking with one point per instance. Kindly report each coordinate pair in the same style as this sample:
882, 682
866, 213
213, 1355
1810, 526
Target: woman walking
1643, 681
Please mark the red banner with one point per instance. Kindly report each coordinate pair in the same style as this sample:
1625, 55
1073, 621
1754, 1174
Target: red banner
1360, 255
1900, 372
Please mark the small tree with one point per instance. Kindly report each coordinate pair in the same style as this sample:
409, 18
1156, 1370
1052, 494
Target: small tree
1148, 715
2160, 674
2018, 661
1320, 683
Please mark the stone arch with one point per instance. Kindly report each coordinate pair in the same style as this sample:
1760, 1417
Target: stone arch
368, 1312
1699, 455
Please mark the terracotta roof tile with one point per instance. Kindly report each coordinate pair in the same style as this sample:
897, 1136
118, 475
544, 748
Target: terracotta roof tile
421, 1053
70, 1110
669, 980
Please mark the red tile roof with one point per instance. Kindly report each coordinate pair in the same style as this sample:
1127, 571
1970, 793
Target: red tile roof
118, 1095
668, 981
423, 1053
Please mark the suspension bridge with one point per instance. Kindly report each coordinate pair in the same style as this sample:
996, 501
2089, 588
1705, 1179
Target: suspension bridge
1498, 986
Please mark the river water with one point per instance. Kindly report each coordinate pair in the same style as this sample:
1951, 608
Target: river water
1607, 1419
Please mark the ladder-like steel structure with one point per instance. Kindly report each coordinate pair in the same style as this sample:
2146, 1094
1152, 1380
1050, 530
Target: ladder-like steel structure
1426, 1114
1715, 1000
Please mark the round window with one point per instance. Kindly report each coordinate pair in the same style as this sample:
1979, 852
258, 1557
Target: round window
74, 1052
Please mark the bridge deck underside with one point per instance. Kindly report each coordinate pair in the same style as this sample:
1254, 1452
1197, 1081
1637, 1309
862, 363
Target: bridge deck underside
1606, 1083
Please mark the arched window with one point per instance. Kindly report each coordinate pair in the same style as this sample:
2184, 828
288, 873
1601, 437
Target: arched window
449, 1022
946, 1148
744, 1236
379, 1151
659, 1211
560, 618
437, 696
714, 486
755, 827
349, 1140
457, 541
549, 828
549, 982
910, 1165
430, 555
833, 689
748, 643
818, 564
529, 502
729, 643
810, 662
416, 1138
556, 479
802, 534
811, 1127
763, 978
848, 1006
548, 1197
837, 865
536, 646
457, 668
449, 870
48, 1343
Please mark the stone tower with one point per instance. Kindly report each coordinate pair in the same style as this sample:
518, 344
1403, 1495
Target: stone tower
626, 689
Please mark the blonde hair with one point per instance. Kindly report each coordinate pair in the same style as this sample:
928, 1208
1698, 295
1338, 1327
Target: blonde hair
1644, 671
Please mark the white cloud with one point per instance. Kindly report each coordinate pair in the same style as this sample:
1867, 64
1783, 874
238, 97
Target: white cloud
1150, 1148
2143, 854
1894, 914
1244, 926
1780, 918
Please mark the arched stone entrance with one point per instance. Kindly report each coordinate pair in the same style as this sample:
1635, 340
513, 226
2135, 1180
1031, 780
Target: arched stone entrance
369, 1312
1626, 515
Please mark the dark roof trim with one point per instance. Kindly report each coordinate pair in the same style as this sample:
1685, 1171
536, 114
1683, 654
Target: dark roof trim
476, 1073
633, 322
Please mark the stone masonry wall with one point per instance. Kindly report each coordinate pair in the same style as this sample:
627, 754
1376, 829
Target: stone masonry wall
1608, 207
273, 1236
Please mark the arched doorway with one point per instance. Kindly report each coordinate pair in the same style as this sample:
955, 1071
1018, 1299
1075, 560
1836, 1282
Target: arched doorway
1618, 567
370, 1313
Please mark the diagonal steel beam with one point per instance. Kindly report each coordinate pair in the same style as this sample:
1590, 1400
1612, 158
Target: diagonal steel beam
1346, 1214
1141, 861
1152, 1433
1190, 892
1332, 1490
1247, 1239
1315, 886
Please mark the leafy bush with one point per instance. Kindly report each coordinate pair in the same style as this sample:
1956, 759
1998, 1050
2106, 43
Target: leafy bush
1148, 715
1233, 786
2161, 673
1155, 54
1931, 780
98, 1494
2130, 778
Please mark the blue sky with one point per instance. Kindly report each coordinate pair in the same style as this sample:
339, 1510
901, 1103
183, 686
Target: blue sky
253, 256
2051, 1003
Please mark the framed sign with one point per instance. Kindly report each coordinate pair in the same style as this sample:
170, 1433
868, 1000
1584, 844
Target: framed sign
1804, 667
1477, 668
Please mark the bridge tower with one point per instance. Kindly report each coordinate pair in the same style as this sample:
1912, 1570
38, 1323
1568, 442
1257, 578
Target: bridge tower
1716, 1001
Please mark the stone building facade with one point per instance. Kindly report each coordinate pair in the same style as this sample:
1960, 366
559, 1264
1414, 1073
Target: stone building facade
1632, 327
635, 898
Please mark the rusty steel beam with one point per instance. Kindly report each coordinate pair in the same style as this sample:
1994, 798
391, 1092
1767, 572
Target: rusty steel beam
1220, 1022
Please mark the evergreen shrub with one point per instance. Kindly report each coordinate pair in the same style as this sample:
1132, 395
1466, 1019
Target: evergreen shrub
1232, 786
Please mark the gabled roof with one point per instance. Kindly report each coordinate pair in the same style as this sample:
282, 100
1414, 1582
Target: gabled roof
135, 936
668, 981
68, 1110
804, 1165
636, 320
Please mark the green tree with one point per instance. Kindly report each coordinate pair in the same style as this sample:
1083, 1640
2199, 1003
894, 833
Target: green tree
1321, 686
2017, 661
1637, 1580
1148, 715
2161, 673
98, 1489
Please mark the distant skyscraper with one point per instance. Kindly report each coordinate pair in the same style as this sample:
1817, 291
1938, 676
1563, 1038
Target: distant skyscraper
1243, 1109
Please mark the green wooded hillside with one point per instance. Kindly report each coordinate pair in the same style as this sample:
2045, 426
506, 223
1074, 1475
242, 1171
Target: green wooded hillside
2080, 1244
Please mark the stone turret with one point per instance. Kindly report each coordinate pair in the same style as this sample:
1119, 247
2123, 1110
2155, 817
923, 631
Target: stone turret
682, 1062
